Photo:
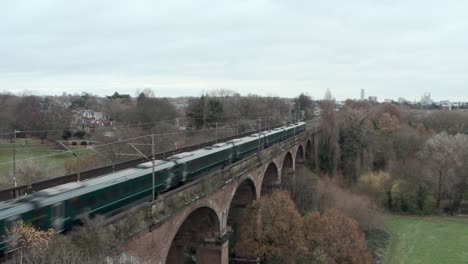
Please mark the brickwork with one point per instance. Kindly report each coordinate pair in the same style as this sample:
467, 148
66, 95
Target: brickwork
198, 224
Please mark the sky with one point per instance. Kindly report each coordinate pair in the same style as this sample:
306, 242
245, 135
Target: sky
390, 48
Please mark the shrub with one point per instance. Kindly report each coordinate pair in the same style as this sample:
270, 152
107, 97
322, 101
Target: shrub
375, 184
338, 236
32, 242
359, 207
272, 230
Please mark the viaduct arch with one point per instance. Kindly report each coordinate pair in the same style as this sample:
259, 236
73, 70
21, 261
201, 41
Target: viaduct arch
200, 229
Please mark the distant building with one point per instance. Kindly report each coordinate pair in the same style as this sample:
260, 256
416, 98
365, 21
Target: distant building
362, 95
446, 105
373, 99
389, 101
426, 99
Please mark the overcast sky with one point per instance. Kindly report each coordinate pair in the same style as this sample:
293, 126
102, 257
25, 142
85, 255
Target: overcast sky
390, 48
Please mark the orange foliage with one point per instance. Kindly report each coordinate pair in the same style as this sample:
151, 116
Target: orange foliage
33, 240
389, 124
272, 229
338, 236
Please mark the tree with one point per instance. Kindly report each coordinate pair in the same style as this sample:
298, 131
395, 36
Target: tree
272, 230
205, 111
338, 236
353, 141
329, 149
389, 124
444, 158
32, 242
304, 104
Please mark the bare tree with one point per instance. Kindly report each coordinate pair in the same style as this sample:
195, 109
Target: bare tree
329, 135
445, 157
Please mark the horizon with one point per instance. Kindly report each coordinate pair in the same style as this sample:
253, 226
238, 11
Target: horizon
135, 94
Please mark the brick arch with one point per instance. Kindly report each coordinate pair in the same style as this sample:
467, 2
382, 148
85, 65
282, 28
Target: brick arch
270, 178
244, 195
287, 172
300, 155
199, 227
309, 150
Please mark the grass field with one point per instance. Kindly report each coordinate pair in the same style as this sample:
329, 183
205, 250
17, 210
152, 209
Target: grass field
27, 149
427, 240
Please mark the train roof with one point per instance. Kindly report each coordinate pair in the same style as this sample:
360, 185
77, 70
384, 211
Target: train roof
159, 164
69, 190
188, 156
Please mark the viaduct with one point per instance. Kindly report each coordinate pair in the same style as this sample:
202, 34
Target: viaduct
194, 222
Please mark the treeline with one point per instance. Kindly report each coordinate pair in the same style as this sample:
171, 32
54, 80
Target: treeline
146, 112
411, 161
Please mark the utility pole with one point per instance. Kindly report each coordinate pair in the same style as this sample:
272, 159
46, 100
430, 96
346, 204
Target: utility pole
153, 163
14, 156
78, 175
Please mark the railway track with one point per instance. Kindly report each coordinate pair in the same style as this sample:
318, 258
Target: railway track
15, 192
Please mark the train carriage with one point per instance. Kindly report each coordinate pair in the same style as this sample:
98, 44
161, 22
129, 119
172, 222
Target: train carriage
274, 136
64, 206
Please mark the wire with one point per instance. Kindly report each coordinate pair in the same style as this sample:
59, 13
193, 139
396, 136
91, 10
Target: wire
111, 143
130, 139
141, 124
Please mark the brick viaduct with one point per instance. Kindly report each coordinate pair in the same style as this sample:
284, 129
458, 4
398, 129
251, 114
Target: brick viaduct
193, 221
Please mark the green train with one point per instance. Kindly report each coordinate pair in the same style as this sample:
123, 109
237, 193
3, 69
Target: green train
63, 207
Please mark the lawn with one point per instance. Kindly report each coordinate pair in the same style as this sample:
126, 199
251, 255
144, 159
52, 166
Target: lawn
27, 149
427, 240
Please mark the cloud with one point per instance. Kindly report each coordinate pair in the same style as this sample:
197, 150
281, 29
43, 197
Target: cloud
389, 48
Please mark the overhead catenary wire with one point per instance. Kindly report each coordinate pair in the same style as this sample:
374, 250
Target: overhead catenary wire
131, 139
110, 143
147, 123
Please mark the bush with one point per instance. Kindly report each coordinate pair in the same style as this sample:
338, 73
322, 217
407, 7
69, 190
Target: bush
376, 185
359, 207
338, 236
272, 230
79, 134
430, 205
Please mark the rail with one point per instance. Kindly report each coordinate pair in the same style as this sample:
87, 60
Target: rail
15, 192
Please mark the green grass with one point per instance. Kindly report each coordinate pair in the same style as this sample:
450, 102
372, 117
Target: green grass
427, 240
27, 149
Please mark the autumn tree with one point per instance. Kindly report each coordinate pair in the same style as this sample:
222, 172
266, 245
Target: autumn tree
272, 230
389, 124
31, 242
338, 236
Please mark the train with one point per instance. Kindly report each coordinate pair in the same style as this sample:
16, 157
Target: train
63, 207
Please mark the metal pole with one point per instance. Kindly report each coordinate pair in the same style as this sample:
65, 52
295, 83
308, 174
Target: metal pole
153, 163
259, 131
79, 168
14, 157
216, 132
